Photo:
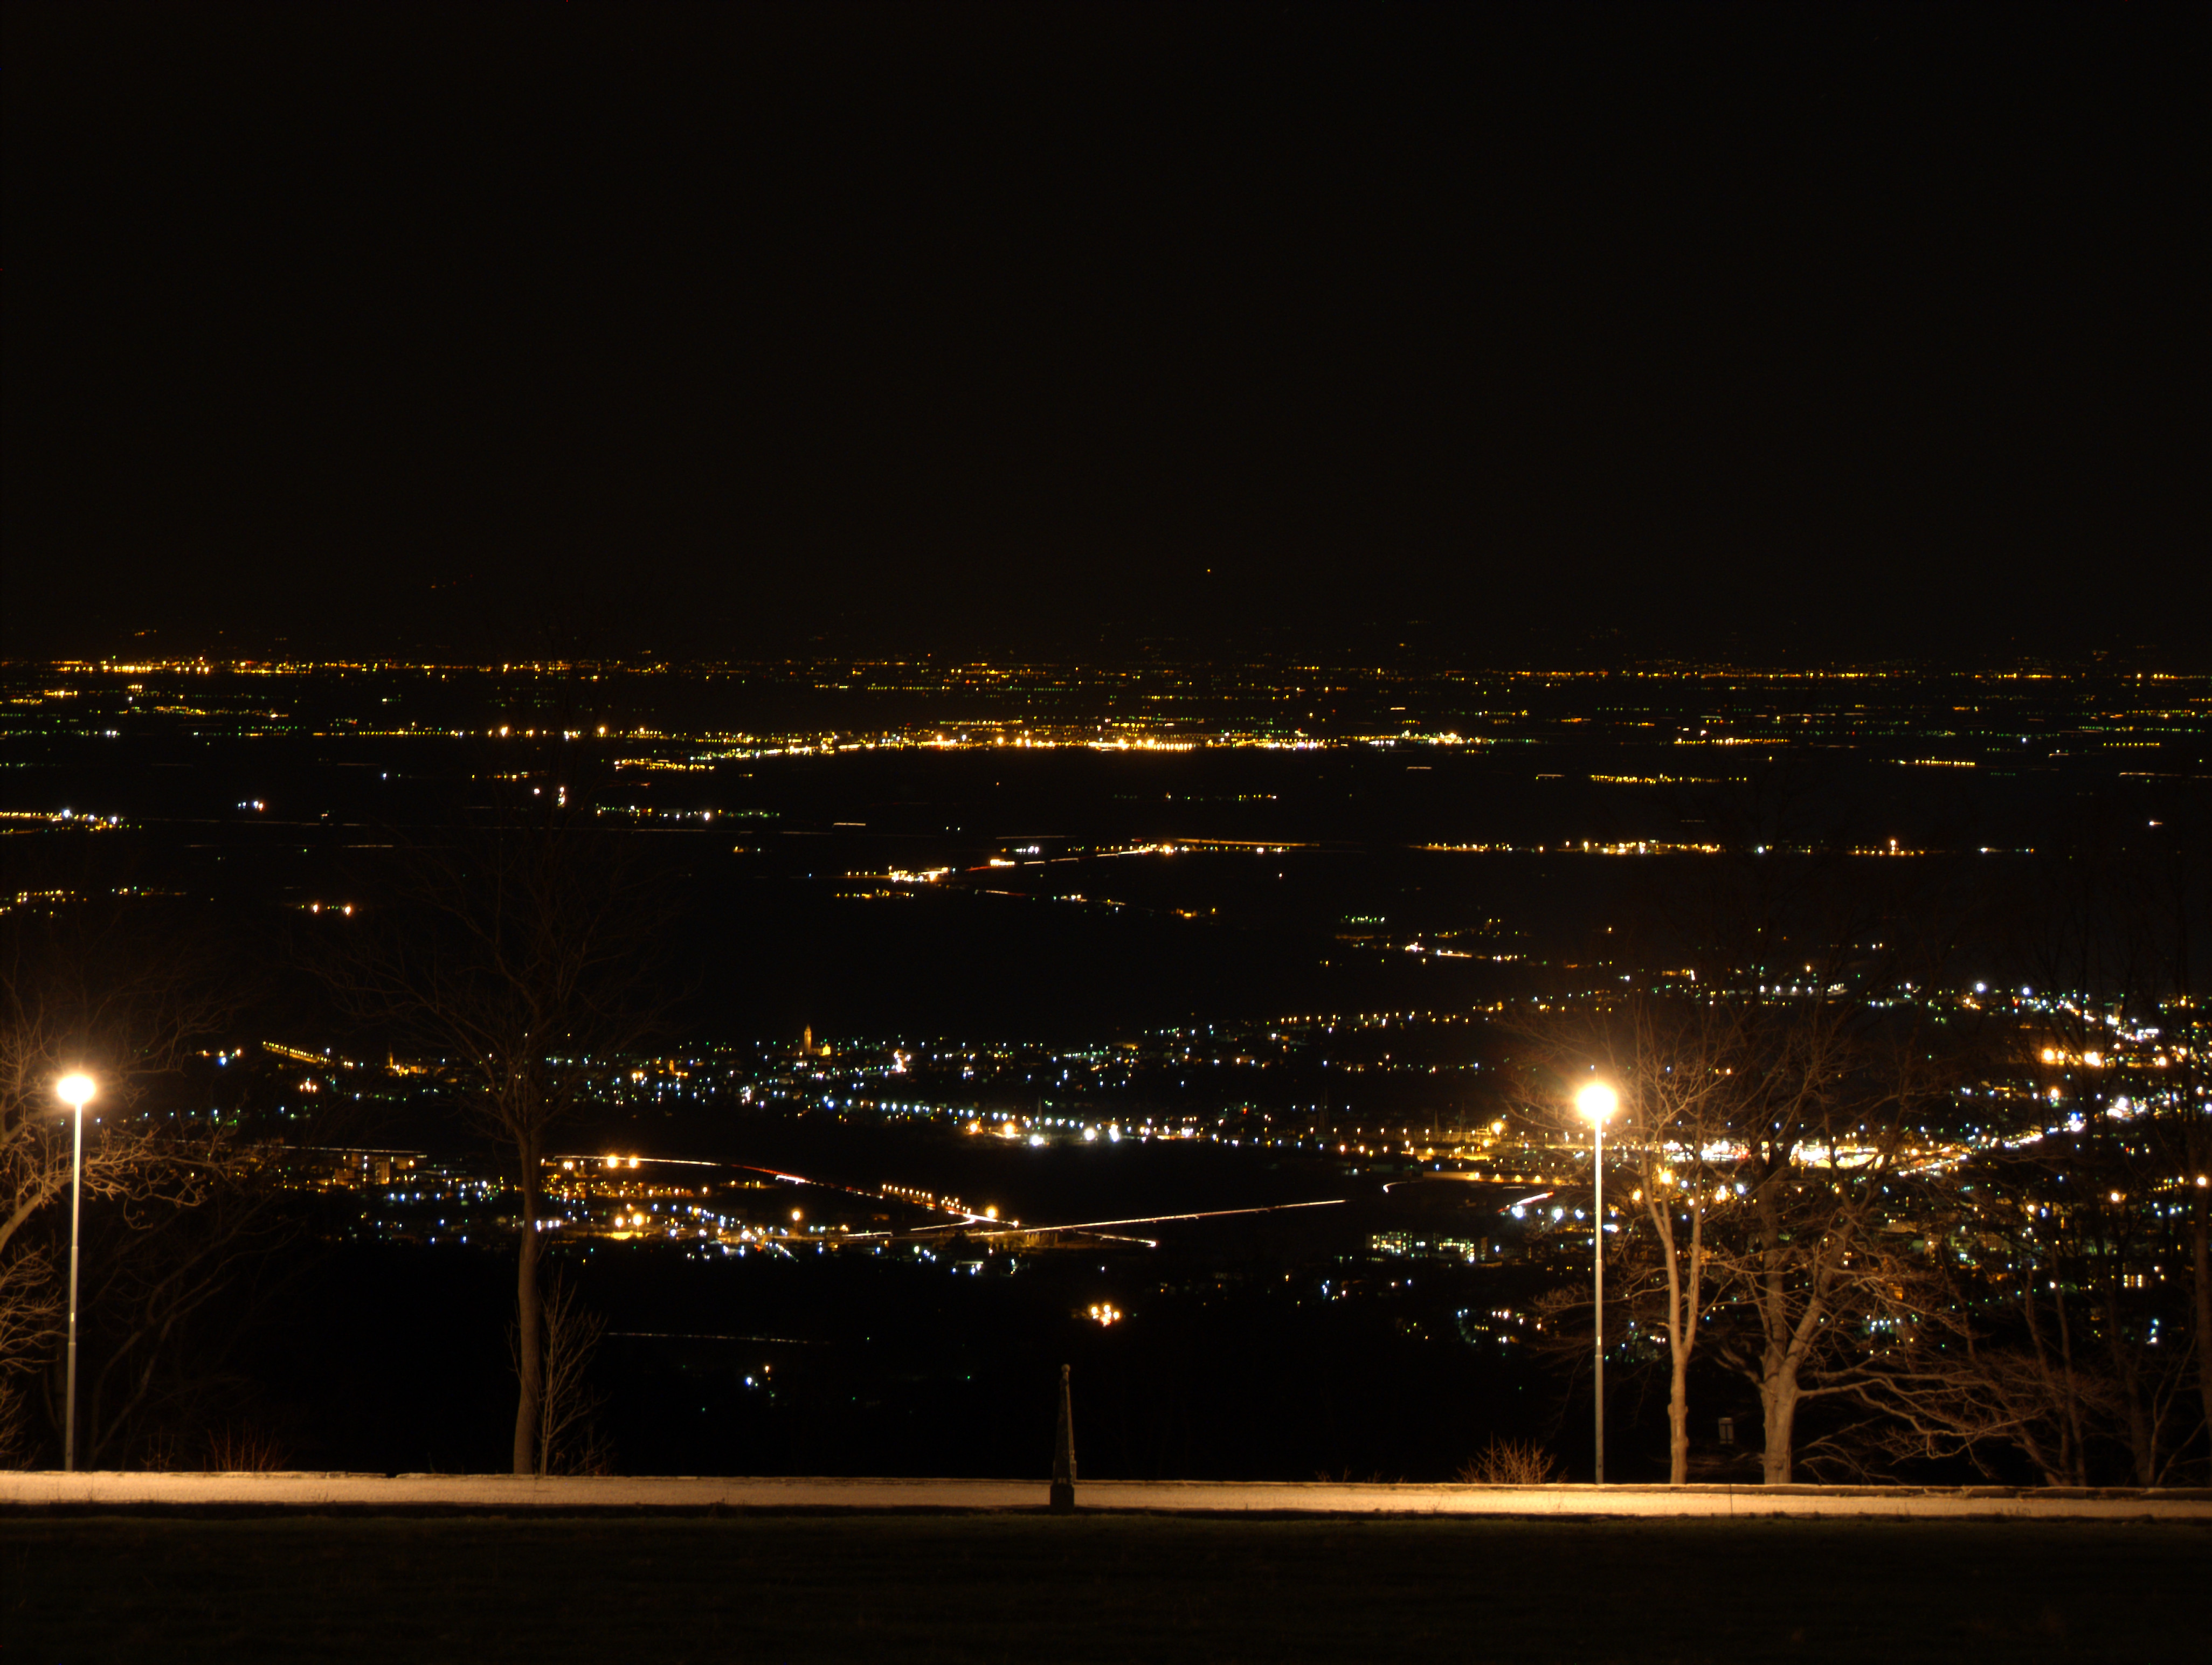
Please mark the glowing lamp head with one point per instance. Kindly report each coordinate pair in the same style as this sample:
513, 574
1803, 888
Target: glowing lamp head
1597, 1101
75, 1090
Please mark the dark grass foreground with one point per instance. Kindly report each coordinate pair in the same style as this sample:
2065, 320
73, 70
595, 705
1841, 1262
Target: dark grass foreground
1031, 1589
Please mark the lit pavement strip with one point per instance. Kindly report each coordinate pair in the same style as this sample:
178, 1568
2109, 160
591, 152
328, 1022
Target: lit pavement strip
503, 1494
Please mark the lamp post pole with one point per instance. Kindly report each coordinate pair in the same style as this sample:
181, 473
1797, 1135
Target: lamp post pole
1597, 1287
74, 1090
1597, 1101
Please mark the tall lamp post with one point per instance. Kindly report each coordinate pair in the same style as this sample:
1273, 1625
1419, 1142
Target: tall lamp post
1597, 1101
75, 1090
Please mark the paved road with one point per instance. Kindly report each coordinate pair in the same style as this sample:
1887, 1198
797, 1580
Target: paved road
504, 1494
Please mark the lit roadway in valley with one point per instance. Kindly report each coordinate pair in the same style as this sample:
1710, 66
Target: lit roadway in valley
995, 1228
991, 1224
1016, 1229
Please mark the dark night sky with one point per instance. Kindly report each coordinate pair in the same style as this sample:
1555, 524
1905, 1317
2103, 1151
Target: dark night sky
1051, 329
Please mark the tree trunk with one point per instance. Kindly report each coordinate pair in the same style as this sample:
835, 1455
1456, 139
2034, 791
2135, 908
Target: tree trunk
1779, 1401
2200, 1251
2200, 1247
2058, 1384
529, 1343
1781, 1360
2142, 1434
1681, 1328
2075, 1439
1678, 1420
1778, 1354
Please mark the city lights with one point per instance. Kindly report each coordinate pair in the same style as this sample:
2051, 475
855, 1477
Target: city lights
1389, 1100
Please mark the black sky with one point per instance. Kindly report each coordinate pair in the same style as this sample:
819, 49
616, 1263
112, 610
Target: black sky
1062, 328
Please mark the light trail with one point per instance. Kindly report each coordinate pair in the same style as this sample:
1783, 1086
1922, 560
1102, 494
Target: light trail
1143, 1220
699, 1336
969, 1221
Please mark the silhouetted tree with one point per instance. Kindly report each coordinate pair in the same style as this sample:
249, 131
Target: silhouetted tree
167, 1289
124, 996
1806, 1267
2064, 1304
1764, 1107
1980, 1355
514, 957
1673, 1060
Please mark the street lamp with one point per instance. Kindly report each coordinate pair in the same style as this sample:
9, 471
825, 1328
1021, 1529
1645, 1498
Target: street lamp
73, 1089
1597, 1101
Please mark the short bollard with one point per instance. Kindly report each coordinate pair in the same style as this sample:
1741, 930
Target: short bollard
1063, 1454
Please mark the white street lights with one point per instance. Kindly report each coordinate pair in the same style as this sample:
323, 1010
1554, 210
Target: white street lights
73, 1089
1597, 1101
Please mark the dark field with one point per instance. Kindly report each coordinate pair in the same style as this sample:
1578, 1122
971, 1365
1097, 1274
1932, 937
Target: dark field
947, 1588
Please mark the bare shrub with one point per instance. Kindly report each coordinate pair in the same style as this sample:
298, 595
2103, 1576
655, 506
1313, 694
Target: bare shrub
590, 1452
1512, 1462
244, 1451
16, 1450
567, 1442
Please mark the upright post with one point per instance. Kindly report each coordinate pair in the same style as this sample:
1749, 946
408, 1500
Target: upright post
1597, 1237
76, 1199
1063, 1454
73, 1090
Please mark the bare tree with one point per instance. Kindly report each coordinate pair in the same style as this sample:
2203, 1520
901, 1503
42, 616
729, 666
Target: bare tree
1979, 1355
85, 987
2035, 1321
513, 959
1761, 1129
1810, 1275
1759, 1124
1998, 1278
164, 1308
1674, 1062
30, 1324
2115, 1045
